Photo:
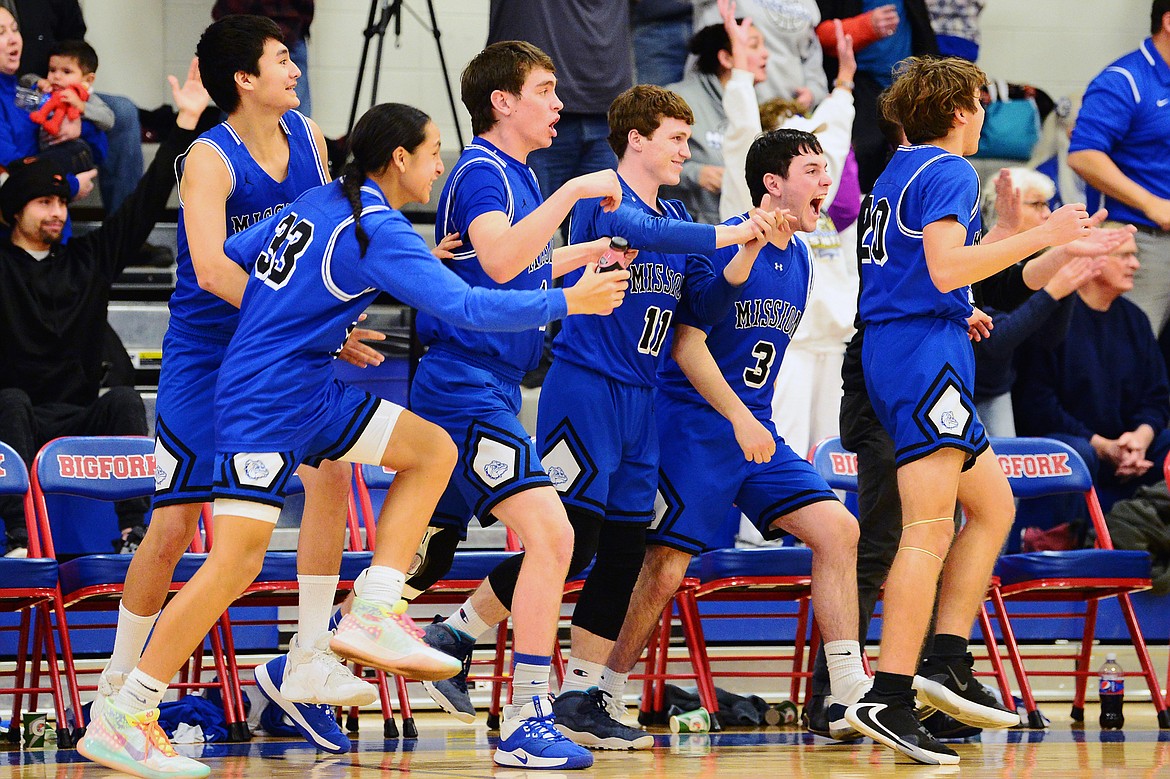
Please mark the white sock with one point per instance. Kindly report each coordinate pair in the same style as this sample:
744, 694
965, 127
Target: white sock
613, 683
140, 693
130, 639
529, 678
847, 677
580, 675
383, 585
315, 596
468, 622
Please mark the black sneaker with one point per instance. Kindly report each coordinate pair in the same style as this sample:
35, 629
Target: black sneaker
891, 721
815, 716
585, 719
945, 727
952, 688
451, 694
129, 542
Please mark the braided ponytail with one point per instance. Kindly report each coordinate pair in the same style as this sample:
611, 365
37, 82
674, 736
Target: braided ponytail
375, 138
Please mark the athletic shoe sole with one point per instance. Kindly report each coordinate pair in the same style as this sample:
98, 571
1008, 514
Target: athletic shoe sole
586, 739
861, 716
968, 712
118, 761
364, 696
839, 727
446, 705
417, 665
520, 759
271, 691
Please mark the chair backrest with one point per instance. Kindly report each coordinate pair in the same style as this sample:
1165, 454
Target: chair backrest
836, 464
1036, 467
13, 474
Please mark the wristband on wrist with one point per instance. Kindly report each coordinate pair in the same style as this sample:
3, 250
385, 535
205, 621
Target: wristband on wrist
843, 84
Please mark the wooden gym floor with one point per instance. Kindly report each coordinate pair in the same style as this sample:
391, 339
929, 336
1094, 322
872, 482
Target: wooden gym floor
446, 748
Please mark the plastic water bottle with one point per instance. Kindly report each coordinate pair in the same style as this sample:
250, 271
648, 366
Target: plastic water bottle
615, 256
1112, 694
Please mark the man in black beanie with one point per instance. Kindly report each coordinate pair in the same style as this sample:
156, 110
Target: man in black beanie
53, 301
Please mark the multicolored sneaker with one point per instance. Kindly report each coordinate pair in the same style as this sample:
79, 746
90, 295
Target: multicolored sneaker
585, 719
388, 639
315, 722
951, 687
135, 744
529, 739
109, 684
314, 674
451, 694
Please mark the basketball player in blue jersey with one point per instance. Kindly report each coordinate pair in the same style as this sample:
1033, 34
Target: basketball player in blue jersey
237, 173
317, 264
600, 453
469, 383
719, 446
919, 252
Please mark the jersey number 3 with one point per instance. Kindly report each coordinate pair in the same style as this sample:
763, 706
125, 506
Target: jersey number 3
872, 246
276, 264
765, 354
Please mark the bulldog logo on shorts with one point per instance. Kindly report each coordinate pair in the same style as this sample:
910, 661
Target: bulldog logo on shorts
255, 470
557, 476
495, 469
562, 466
495, 462
166, 466
948, 420
948, 414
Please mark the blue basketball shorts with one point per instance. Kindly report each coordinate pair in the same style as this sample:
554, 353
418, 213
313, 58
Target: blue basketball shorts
184, 444
703, 473
920, 375
355, 427
478, 408
598, 443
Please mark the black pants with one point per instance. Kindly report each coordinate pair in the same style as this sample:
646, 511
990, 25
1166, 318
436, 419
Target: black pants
26, 428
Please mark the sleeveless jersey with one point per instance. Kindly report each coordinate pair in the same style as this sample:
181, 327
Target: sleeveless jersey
749, 343
308, 285
254, 196
627, 345
486, 179
921, 185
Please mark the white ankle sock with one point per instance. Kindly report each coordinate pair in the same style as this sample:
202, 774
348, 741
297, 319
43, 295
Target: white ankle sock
314, 606
468, 622
140, 693
383, 585
580, 675
847, 677
130, 639
613, 683
529, 678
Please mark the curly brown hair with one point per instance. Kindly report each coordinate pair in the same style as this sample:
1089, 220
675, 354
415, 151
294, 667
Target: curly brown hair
926, 93
504, 65
642, 108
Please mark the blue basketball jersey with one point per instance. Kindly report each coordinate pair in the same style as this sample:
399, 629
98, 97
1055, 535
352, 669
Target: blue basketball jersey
307, 286
486, 179
627, 344
254, 196
749, 343
921, 185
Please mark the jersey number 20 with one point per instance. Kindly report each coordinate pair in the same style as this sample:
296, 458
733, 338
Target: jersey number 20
874, 217
276, 264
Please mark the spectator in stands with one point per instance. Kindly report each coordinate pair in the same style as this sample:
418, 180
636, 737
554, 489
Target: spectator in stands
884, 33
45, 23
72, 66
591, 43
956, 26
293, 17
1121, 146
1103, 390
795, 70
662, 29
703, 88
53, 300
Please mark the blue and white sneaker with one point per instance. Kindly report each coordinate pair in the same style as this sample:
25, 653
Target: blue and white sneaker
529, 739
316, 722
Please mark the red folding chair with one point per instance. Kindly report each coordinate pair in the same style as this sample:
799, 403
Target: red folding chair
112, 468
838, 467
1039, 467
30, 587
468, 570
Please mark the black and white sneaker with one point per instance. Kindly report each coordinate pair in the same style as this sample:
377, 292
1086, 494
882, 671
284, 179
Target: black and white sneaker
953, 689
891, 721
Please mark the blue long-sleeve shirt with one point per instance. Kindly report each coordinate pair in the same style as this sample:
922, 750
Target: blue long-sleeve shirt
1041, 316
1106, 378
18, 133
